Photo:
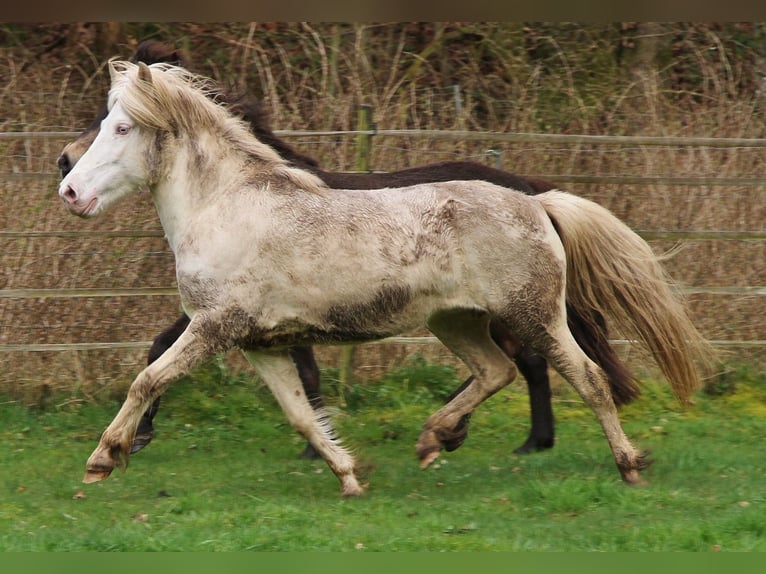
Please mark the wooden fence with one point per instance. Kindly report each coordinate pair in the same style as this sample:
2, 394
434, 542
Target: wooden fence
365, 138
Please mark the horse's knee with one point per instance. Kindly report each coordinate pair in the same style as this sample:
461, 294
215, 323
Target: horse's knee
143, 387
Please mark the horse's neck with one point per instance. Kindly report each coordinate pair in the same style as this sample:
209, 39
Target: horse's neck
174, 209
201, 173
187, 188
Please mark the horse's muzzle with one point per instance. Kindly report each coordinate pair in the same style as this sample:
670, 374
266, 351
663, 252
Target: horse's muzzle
75, 203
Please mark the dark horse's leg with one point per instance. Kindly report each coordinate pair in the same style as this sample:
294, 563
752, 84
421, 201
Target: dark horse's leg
535, 371
308, 371
145, 431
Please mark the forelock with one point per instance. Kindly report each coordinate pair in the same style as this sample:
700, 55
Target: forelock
175, 99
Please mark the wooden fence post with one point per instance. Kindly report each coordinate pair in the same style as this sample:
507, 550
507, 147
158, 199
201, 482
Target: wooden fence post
364, 140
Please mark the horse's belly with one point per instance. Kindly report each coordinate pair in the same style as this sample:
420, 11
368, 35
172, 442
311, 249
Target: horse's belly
385, 311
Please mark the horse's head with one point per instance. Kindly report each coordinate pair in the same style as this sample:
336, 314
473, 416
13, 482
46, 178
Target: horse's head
152, 110
73, 151
111, 165
148, 52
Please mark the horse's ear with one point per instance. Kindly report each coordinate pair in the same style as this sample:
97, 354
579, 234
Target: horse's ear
144, 73
113, 69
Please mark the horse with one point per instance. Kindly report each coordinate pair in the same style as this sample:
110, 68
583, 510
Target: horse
268, 257
624, 387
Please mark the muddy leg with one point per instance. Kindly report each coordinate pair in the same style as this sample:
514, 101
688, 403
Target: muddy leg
114, 447
542, 432
466, 333
535, 371
591, 383
281, 376
510, 347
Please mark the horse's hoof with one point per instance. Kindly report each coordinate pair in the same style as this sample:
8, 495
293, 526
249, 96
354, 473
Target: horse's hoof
309, 453
350, 487
104, 460
95, 475
141, 441
633, 478
631, 475
426, 460
428, 448
534, 445
353, 490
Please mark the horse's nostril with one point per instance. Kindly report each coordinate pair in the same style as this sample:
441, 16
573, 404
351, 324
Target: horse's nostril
70, 195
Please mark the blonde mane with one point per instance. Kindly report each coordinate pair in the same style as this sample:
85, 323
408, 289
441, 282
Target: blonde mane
176, 100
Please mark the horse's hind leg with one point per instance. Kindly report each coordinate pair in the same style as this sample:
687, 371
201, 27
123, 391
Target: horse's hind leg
591, 383
466, 333
535, 371
279, 373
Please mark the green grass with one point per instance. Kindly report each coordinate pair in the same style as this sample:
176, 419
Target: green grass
223, 474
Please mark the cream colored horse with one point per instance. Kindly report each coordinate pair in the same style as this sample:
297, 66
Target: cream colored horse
267, 257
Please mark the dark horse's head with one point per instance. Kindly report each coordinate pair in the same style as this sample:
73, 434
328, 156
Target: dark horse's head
153, 52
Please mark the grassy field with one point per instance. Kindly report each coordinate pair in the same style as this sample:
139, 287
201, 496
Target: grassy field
223, 474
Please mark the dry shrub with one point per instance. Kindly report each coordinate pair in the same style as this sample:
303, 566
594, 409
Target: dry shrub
613, 79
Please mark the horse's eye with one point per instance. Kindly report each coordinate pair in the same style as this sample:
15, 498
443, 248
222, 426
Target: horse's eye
122, 129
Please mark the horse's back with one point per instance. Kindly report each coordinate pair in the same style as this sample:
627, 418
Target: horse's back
482, 233
470, 206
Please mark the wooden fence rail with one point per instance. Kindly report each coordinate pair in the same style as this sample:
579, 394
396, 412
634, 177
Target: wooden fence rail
568, 139
364, 138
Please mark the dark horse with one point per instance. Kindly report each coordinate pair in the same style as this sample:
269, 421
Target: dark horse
623, 386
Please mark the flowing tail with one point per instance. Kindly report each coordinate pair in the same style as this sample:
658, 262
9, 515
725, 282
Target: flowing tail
613, 273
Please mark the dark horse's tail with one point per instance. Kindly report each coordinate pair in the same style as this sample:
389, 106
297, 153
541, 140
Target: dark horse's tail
613, 273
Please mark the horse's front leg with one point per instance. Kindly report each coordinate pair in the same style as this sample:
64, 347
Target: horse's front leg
279, 373
114, 447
